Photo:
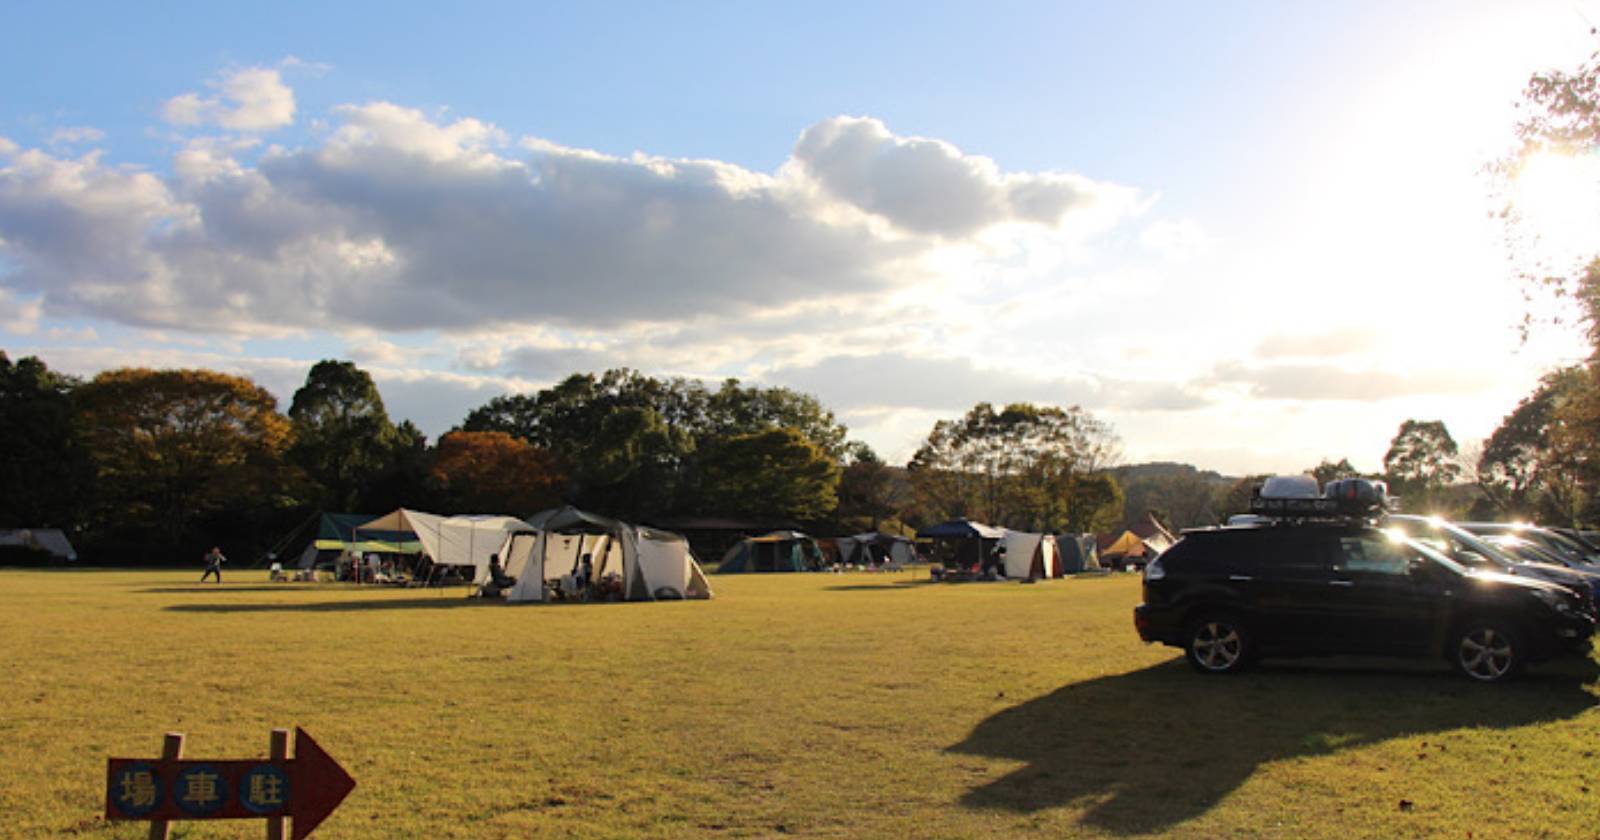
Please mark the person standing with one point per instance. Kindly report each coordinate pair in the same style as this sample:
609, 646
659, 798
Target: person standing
214, 561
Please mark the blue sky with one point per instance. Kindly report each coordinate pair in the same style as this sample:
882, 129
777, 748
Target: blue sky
1250, 235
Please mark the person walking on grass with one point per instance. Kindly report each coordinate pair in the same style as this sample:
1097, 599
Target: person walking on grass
214, 561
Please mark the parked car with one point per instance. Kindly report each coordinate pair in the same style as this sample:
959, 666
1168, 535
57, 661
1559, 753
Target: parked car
1568, 549
1229, 596
1481, 553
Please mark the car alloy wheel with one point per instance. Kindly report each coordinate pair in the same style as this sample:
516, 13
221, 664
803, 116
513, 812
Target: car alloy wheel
1216, 646
1486, 653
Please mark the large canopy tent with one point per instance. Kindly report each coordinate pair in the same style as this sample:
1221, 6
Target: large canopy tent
961, 543
1076, 553
875, 548
647, 564
48, 540
1029, 556
779, 551
336, 535
461, 541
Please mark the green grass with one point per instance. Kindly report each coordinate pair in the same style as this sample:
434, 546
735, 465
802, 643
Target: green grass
813, 705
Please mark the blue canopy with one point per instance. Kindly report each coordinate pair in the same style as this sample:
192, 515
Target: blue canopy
962, 528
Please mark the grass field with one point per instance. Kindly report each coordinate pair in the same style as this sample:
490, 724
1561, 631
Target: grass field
791, 705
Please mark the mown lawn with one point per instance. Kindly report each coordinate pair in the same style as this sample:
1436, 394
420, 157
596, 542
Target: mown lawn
808, 705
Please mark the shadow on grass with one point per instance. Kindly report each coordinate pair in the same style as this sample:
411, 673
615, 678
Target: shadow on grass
439, 602
1147, 750
878, 587
213, 589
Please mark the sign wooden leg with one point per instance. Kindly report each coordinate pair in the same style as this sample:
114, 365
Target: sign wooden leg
171, 750
280, 757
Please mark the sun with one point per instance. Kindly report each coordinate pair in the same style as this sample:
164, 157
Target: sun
1558, 199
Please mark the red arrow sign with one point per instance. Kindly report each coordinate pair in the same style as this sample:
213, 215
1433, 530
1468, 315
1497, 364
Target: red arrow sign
306, 788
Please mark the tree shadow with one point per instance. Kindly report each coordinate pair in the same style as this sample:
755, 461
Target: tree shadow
888, 585
214, 589
1146, 750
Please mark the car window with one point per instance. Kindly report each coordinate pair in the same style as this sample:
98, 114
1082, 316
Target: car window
1373, 554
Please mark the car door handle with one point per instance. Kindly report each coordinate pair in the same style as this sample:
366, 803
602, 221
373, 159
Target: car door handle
1341, 583
1240, 577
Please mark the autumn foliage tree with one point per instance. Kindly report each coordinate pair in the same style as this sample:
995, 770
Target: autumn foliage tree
493, 472
170, 446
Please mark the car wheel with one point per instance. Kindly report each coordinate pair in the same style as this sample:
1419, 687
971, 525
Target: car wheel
1487, 652
1218, 644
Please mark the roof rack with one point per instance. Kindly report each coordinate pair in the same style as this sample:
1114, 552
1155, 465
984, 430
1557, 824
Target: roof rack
1294, 498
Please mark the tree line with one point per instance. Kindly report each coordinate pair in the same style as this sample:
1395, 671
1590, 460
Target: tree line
145, 466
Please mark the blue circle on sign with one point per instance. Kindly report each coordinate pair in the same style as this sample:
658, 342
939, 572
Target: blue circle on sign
264, 789
200, 791
136, 790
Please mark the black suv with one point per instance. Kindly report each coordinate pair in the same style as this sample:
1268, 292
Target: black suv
1231, 595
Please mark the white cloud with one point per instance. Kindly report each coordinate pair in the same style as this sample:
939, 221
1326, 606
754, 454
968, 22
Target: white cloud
18, 316
252, 99
1176, 240
928, 186
76, 134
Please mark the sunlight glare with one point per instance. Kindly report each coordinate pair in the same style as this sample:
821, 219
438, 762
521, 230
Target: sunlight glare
1559, 198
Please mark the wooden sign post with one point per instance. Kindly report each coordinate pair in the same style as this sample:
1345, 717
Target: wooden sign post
305, 789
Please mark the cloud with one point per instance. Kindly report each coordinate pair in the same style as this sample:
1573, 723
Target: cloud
1342, 341
17, 316
396, 221
76, 134
1319, 382
902, 381
251, 99
1176, 240
929, 186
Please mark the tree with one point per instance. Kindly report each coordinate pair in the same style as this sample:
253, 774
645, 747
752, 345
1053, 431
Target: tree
43, 472
868, 492
777, 473
1421, 462
634, 445
1094, 504
1017, 466
1330, 470
170, 446
1533, 466
493, 472
1562, 119
343, 438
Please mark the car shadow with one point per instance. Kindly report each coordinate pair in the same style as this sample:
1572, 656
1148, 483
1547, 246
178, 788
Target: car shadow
1147, 750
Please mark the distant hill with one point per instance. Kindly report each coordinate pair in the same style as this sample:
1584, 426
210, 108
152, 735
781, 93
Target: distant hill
1158, 470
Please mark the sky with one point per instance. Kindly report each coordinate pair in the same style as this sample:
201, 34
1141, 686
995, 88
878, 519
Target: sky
1249, 236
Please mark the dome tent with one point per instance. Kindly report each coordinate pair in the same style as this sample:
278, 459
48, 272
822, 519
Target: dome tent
649, 564
779, 551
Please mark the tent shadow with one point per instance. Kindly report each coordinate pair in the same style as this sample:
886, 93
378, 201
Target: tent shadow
1144, 751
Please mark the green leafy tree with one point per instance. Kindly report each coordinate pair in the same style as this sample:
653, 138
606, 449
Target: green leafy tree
1421, 462
1018, 466
635, 445
43, 470
1094, 504
776, 473
1330, 470
343, 439
868, 491
170, 446
1536, 465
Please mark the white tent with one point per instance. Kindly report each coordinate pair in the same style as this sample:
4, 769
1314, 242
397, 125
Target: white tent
1029, 555
465, 540
643, 563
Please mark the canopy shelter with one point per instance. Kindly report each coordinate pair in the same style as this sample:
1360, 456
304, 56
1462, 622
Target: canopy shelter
629, 562
466, 540
1076, 553
49, 540
1029, 556
875, 548
779, 551
961, 543
336, 535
